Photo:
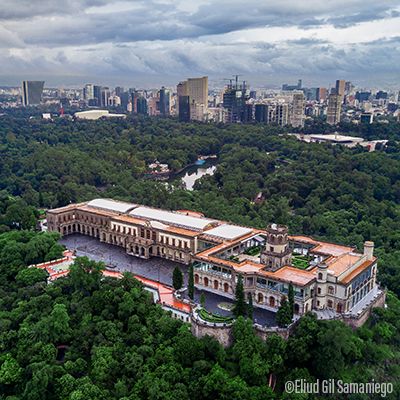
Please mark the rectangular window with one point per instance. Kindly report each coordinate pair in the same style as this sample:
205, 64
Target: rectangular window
147, 234
167, 240
186, 245
162, 239
129, 231
173, 242
142, 232
180, 243
153, 236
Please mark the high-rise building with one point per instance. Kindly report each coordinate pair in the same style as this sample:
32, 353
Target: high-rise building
334, 105
165, 103
119, 90
281, 114
260, 112
184, 108
340, 88
321, 93
248, 112
141, 105
97, 94
197, 89
349, 87
32, 92
124, 96
362, 96
88, 92
235, 98
299, 103
182, 89
105, 95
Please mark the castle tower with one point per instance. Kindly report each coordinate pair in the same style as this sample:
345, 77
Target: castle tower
322, 275
276, 253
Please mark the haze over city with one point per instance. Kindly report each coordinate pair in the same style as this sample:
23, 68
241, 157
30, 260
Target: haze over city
160, 42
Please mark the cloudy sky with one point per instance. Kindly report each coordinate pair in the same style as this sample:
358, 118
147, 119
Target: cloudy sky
137, 42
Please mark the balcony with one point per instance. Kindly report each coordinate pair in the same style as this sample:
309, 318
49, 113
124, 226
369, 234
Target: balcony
274, 287
261, 285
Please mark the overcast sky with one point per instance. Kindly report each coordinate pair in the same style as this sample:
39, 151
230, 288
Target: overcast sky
134, 42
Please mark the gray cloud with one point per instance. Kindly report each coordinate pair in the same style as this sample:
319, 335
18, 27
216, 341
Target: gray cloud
111, 37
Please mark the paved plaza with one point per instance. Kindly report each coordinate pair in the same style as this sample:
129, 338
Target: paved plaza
157, 269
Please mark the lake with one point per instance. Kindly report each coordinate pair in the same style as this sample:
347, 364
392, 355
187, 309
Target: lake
194, 172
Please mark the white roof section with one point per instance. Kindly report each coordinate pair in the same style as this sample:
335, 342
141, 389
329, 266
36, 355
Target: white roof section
92, 114
112, 206
170, 218
96, 114
229, 232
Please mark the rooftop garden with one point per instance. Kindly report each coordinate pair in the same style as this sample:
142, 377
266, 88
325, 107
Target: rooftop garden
252, 251
300, 261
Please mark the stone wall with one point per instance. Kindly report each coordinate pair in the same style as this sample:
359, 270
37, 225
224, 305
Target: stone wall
223, 332
356, 322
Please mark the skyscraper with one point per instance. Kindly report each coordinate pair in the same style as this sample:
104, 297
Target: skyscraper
321, 93
235, 98
334, 105
105, 95
165, 104
340, 88
281, 114
184, 108
197, 89
299, 103
88, 92
260, 113
97, 93
141, 105
32, 92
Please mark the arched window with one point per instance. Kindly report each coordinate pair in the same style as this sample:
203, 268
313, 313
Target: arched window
272, 301
319, 290
331, 290
320, 275
329, 303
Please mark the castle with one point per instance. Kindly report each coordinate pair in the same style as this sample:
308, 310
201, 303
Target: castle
326, 277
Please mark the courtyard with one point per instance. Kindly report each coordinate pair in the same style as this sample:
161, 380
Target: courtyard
155, 268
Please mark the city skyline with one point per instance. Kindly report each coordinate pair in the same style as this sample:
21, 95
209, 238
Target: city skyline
160, 43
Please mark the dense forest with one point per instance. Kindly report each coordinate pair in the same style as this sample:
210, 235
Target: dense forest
338, 194
344, 195
84, 337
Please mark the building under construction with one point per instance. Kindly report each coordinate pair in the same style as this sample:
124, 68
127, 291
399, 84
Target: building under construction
235, 98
